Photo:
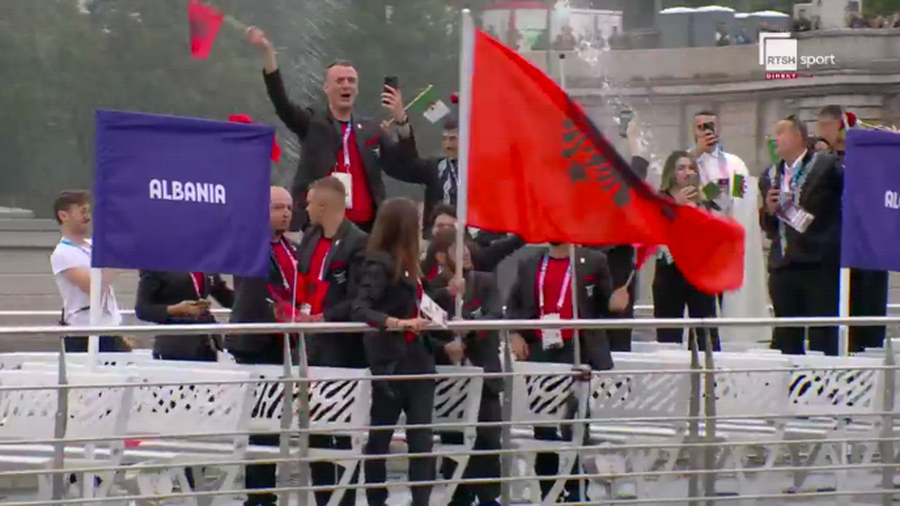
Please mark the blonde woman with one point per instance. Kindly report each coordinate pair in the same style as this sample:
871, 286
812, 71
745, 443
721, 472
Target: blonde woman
680, 180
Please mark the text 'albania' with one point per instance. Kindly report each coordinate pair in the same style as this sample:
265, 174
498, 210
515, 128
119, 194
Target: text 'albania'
207, 193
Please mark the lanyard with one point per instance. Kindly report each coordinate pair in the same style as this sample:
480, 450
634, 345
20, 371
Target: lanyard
324, 261
196, 285
72, 244
346, 144
796, 179
284, 278
562, 290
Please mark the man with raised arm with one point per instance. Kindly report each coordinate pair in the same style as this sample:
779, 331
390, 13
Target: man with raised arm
336, 142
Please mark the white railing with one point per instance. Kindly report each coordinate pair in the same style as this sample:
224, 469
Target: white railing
647, 412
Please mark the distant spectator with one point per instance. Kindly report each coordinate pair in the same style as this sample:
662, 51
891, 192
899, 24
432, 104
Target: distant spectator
722, 37
566, 40
802, 23
542, 43
895, 21
616, 40
742, 37
817, 23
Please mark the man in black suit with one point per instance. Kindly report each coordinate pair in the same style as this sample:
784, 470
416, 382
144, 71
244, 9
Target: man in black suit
267, 300
802, 218
180, 298
331, 255
335, 142
542, 290
481, 300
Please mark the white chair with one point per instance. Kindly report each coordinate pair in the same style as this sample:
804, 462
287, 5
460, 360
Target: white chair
458, 401
543, 396
30, 414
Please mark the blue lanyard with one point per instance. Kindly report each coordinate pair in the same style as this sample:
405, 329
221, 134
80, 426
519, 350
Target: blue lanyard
67, 242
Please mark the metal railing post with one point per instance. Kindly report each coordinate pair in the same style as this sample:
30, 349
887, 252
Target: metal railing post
694, 424
287, 413
886, 445
507, 460
59, 429
709, 424
303, 422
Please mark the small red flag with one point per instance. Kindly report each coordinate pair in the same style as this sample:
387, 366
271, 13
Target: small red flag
540, 169
243, 118
205, 22
642, 254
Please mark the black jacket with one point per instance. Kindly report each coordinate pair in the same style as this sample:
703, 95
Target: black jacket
594, 290
252, 304
379, 296
342, 270
820, 196
481, 301
157, 290
320, 141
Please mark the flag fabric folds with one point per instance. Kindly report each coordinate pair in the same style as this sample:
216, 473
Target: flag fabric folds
870, 229
539, 168
181, 194
205, 22
243, 118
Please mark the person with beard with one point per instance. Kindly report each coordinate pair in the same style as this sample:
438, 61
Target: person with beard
180, 298
71, 264
441, 173
388, 299
331, 256
868, 288
543, 290
481, 300
339, 143
268, 300
802, 217
486, 254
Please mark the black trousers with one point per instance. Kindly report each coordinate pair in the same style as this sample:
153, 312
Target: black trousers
480, 466
389, 399
805, 290
621, 265
107, 344
261, 475
868, 297
671, 293
547, 464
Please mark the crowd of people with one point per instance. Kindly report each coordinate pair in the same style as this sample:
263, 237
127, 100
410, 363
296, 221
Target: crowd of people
343, 252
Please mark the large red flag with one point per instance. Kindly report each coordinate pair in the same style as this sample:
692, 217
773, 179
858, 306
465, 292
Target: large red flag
205, 22
539, 168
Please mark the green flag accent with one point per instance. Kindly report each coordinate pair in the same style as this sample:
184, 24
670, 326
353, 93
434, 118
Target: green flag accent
770, 142
738, 189
711, 191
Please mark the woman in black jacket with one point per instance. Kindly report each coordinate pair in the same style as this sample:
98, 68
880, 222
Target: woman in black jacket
390, 291
671, 291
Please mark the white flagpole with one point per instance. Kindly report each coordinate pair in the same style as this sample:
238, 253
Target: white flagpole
466, 69
844, 312
96, 315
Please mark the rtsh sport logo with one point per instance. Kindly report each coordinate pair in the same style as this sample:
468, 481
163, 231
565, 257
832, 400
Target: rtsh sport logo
778, 54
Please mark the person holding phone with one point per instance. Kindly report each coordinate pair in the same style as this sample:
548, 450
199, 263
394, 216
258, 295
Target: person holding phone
671, 291
181, 298
337, 142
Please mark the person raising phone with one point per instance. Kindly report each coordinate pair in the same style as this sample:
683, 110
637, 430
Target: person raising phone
671, 291
337, 142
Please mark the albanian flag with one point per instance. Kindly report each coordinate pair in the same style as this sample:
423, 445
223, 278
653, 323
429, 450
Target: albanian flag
539, 168
205, 22
243, 118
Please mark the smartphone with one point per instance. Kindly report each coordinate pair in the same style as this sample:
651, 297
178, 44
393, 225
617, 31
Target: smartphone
694, 180
709, 126
392, 81
625, 117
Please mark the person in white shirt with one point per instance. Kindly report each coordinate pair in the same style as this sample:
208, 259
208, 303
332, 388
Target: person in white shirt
71, 264
737, 199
